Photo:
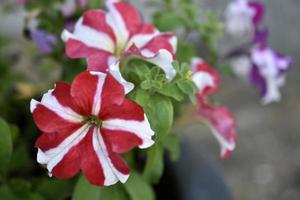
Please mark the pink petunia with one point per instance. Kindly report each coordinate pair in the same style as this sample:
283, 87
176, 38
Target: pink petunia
218, 118
86, 126
105, 37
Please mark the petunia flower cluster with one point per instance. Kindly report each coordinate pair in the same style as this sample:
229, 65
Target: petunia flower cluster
87, 125
265, 68
218, 118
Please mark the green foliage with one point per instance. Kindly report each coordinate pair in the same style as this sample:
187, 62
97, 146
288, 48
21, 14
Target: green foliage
172, 144
54, 189
5, 144
186, 16
167, 21
154, 165
18, 189
138, 188
94, 4
84, 190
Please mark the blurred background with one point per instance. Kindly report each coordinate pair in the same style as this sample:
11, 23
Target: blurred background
266, 162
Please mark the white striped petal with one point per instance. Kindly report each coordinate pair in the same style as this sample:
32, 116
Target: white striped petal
202, 80
162, 59
116, 22
98, 93
114, 70
111, 174
140, 40
90, 37
141, 129
50, 101
55, 155
225, 145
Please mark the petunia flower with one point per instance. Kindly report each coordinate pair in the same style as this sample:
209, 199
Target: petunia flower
44, 41
268, 72
242, 17
86, 126
218, 118
105, 37
206, 78
223, 126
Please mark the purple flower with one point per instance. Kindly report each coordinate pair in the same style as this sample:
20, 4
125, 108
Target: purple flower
68, 8
261, 37
269, 72
83, 3
44, 41
242, 18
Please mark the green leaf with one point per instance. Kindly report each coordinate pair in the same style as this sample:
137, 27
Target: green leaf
7, 194
154, 165
15, 132
187, 86
167, 21
6, 145
140, 96
138, 188
84, 190
186, 52
159, 110
170, 89
54, 189
22, 189
146, 85
94, 4
20, 158
172, 144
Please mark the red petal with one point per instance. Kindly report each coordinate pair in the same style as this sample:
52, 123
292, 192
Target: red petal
69, 165
83, 91
128, 110
121, 141
90, 164
49, 121
56, 110
98, 60
222, 121
96, 19
160, 42
126, 126
130, 16
116, 159
199, 65
50, 140
145, 29
62, 94
113, 93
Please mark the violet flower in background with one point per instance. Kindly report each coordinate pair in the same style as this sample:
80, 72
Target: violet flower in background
69, 7
44, 41
269, 72
242, 18
83, 3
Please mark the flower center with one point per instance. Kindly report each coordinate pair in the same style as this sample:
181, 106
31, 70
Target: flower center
94, 121
120, 47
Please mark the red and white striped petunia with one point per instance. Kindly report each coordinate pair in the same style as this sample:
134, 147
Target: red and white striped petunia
206, 78
86, 126
218, 118
104, 37
223, 126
